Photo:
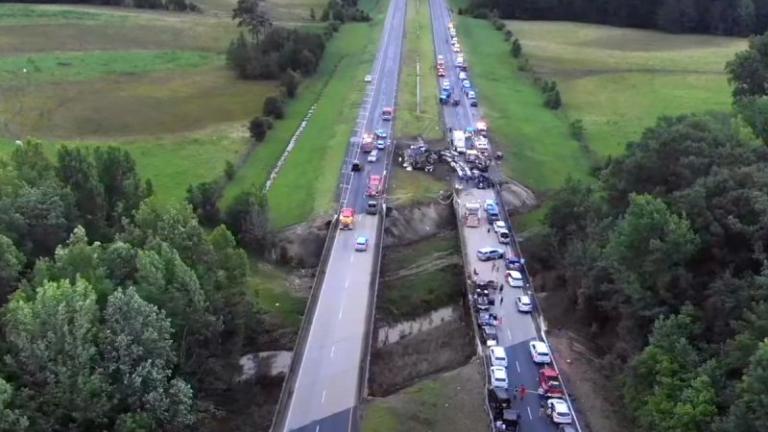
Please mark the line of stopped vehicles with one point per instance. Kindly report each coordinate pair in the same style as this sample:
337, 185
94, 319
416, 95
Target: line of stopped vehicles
471, 145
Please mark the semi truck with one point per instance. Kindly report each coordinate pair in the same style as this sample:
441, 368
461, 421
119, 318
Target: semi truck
374, 186
367, 145
458, 141
472, 215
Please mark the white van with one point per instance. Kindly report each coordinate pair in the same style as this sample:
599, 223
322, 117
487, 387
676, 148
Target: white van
503, 236
373, 156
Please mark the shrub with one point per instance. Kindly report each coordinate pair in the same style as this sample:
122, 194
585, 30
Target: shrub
552, 100
517, 48
229, 170
577, 130
524, 65
273, 107
480, 14
290, 83
507, 34
258, 129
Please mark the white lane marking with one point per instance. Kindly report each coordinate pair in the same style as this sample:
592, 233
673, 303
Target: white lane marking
529, 413
341, 309
346, 283
333, 350
509, 335
352, 258
317, 429
517, 365
322, 400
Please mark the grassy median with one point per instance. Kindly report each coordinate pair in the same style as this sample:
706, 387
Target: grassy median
418, 109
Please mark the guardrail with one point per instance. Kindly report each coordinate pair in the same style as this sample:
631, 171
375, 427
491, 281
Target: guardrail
278, 424
515, 246
468, 277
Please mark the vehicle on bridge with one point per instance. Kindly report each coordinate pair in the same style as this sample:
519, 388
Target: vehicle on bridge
499, 377
514, 279
441, 72
373, 156
374, 186
472, 214
490, 335
524, 304
445, 96
549, 383
482, 128
498, 400
458, 141
489, 254
558, 411
387, 114
372, 207
492, 211
540, 352
347, 219
497, 356
367, 146
361, 244
509, 421
381, 134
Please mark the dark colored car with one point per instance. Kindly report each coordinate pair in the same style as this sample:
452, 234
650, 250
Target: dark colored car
356, 166
498, 399
490, 335
372, 208
487, 318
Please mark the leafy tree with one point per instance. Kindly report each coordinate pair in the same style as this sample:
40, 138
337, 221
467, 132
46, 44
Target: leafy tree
11, 420
229, 170
123, 188
748, 412
273, 107
258, 129
552, 100
52, 340
577, 129
138, 354
76, 171
40, 218
31, 165
754, 112
11, 264
203, 197
290, 82
312, 14
248, 218
748, 70
251, 16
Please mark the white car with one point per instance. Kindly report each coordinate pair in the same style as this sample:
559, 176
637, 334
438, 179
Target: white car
368, 78
501, 235
498, 356
540, 352
462, 75
499, 377
514, 279
559, 411
524, 304
499, 225
456, 48
373, 156
452, 31
445, 84
466, 84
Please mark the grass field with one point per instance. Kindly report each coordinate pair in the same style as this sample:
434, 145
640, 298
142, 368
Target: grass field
619, 80
412, 187
539, 151
418, 112
152, 82
274, 296
449, 402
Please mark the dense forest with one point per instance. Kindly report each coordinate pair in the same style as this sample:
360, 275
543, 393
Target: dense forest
723, 17
118, 313
664, 258
174, 5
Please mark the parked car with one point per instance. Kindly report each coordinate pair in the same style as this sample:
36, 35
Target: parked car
524, 304
356, 166
361, 244
368, 78
540, 352
566, 428
549, 383
509, 421
499, 378
503, 236
381, 144
498, 356
558, 410
445, 84
462, 75
489, 254
373, 156
499, 400
490, 336
514, 279
499, 225
466, 84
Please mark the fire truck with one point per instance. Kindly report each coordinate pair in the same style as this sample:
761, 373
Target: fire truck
347, 219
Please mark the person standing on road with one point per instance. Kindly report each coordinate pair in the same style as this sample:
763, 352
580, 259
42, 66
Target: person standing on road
514, 393
523, 391
501, 301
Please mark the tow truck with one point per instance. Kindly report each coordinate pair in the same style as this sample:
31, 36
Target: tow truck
347, 219
549, 383
387, 114
374, 186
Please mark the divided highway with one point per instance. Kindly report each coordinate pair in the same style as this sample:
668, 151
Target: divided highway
327, 380
516, 329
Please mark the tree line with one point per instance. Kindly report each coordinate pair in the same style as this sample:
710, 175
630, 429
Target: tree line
172, 5
722, 17
118, 313
662, 255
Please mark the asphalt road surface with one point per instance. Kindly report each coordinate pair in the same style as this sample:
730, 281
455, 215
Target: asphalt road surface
325, 395
516, 329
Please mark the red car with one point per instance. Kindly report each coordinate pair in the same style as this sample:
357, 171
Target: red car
441, 72
549, 383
